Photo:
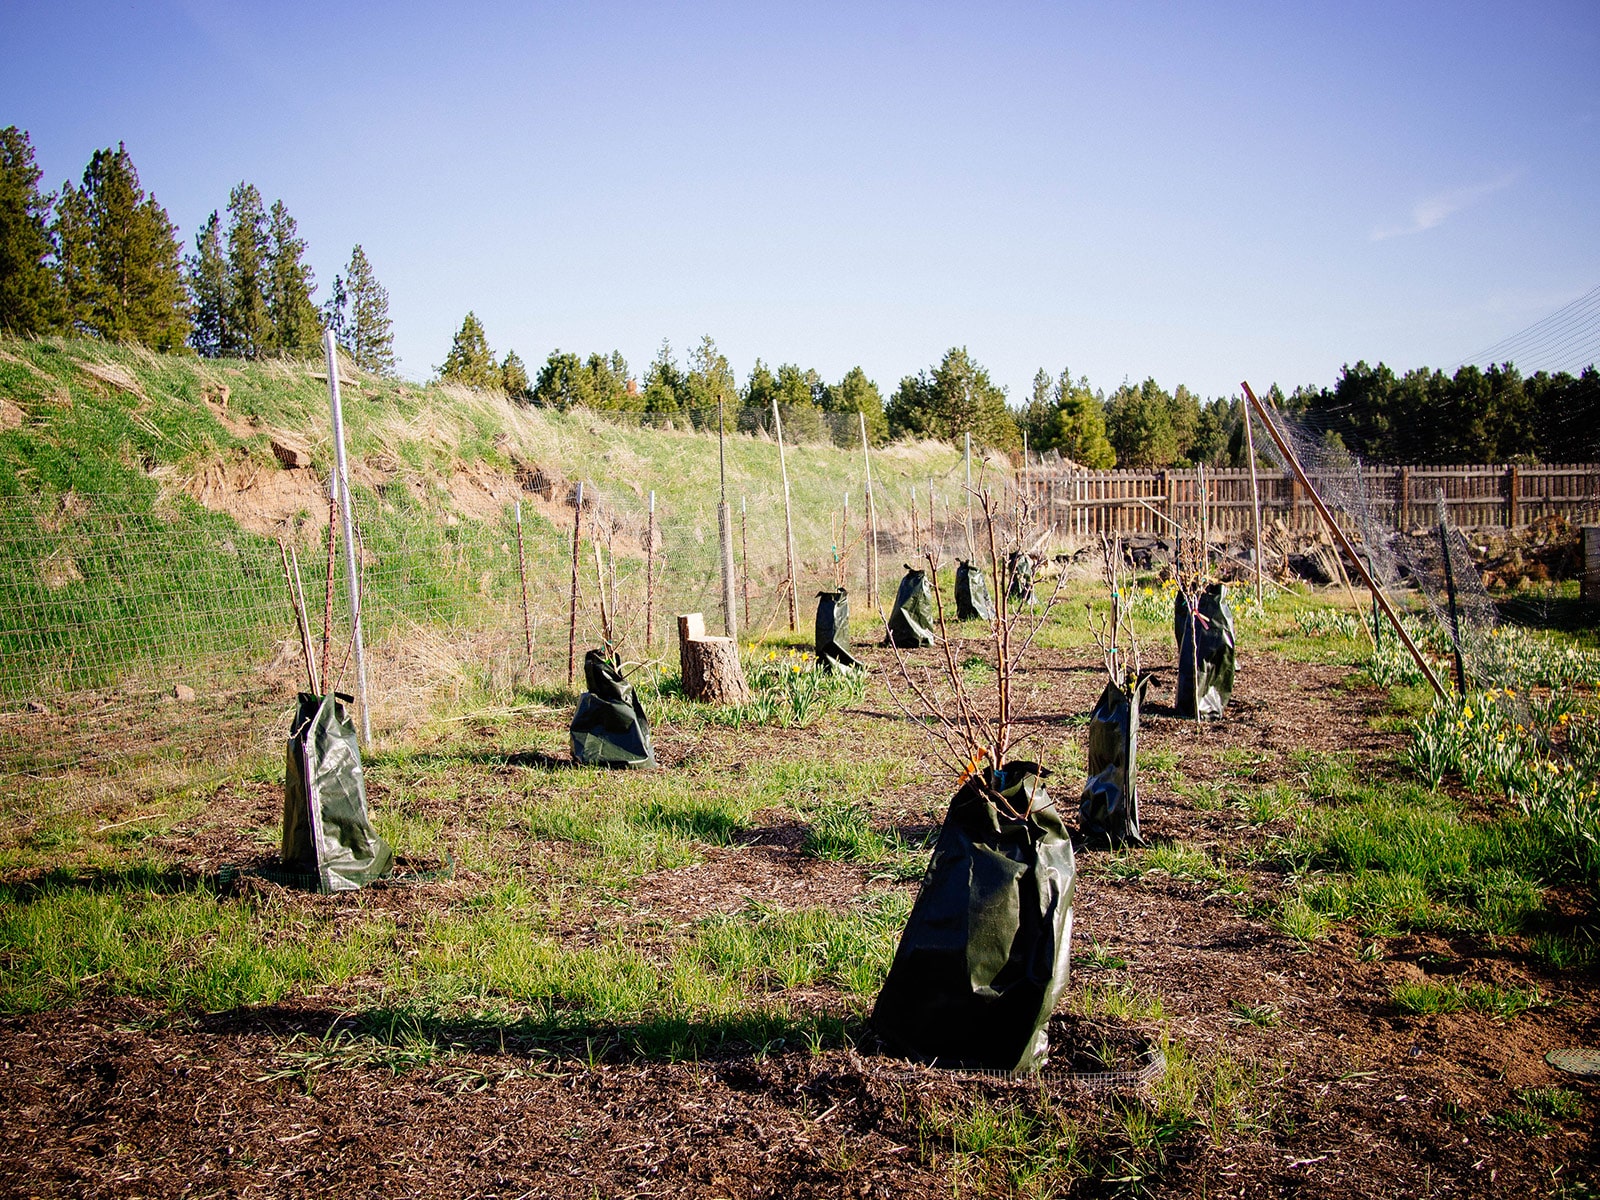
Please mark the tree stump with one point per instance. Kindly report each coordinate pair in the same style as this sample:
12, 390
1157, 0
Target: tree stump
710, 665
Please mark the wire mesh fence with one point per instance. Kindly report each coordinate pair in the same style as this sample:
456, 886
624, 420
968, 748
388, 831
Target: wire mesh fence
149, 645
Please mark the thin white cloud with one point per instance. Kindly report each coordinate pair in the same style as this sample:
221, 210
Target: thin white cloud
1433, 210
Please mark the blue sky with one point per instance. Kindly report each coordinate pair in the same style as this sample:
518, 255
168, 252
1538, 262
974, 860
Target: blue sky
1202, 193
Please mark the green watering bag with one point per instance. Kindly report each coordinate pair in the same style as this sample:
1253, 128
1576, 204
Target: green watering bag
610, 728
1019, 568
1205, 653
1109, 807
972, 593
327, 835
833, 630
912, 622
985, 953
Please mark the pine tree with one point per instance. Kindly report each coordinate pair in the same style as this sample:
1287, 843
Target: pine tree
954, 399
336, 310
296, 325
514, 377
249, 324
369, 335
29, 301
852, 394
207, 269
665, 389
118, 259
470, 360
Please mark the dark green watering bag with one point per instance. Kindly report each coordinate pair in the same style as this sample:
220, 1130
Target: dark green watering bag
833, 630
610, 728
985, 952
1109, 807
327, 836
1020, 571
972, 593
1205, 653
912, 621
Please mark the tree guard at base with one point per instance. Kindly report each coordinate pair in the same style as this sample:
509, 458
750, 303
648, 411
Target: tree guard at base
912, 621
985, 953
327, 834
610, 728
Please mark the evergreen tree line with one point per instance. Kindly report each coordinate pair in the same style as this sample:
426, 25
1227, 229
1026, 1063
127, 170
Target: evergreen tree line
689, 394
1422, 417
1473, 416
102, 259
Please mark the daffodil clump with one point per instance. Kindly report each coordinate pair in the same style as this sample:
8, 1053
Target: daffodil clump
1541, 750
791, 689
1331, 622
1153, 602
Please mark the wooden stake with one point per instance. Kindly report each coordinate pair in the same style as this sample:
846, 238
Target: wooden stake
788, 519
1344, 542
874, 583
522, 570
650, 581
1255, 500
572, 603
744, 558
327, 602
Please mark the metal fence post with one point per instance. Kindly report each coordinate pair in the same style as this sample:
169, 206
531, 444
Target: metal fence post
341, 490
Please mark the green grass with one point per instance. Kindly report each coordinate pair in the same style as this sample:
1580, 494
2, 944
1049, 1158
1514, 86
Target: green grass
138, 933
1433, 999
1403, 858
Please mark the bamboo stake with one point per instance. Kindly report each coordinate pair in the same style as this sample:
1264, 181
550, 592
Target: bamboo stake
341, 489
305, 622
1450, 595
788, 519
972, 552
1344, 542
572, 604
842, 554
600, 590
327, 601
744, 558
1255, 500
522, 570
650, 581
299, 619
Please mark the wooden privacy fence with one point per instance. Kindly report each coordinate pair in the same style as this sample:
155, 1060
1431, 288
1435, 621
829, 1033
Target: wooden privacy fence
1086, 503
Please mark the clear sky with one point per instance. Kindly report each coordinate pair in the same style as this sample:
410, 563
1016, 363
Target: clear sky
1202, 193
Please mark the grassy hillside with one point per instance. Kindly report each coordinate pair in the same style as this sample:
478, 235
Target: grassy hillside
141, 505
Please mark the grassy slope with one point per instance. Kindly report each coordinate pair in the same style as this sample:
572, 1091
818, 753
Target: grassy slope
102, 448
84, 434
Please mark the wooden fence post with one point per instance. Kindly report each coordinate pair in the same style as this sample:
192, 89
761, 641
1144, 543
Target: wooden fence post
1513, 496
